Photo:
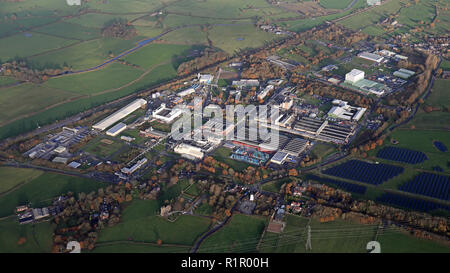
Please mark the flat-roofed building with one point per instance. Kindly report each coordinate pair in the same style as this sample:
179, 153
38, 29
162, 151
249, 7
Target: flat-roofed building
118, 115
186, 92
265, 92
135, 167
116, 129
165, 114
354, 76
295, 147
371, 57
189, 151
205, 78
245, 83
279, 157
342, 110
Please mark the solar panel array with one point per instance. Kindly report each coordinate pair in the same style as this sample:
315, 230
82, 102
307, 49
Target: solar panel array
402, 155
433, 185
340, 184
370, 173
440, 146
410, 203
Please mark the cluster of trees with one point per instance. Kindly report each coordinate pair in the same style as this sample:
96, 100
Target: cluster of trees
84, 215
257, 68
338, 34
119, 28
208, 58
30, 71
328, 196
413, 92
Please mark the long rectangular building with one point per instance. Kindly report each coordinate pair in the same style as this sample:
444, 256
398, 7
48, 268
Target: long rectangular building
118, 115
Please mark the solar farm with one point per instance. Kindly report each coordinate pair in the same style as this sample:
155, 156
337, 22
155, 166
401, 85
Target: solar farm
361, 171
402, 155
340, 184
433, 185
410, 203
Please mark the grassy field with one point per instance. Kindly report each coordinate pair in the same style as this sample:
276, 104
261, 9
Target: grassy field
27, 98
222, 154
275, 186
6, 80
440, 95
38, 237
99, 148
112, 76
41, 190
233, 38
240, 235
335, 4
155, 54
12, 177
27, 46
140, 223
343, 236
131, 247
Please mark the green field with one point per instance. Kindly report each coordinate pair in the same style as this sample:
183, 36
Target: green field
140, 223
341, 236
29, 46
6, 80
111, 77
39, 237
12, 177
101, 149
27, 98
131, 247
240, 235
222, 154
335, 4
41, 191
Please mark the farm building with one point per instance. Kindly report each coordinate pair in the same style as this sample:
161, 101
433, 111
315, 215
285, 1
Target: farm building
116, 116
116, 129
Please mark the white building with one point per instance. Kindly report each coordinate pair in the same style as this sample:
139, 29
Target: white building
205, 78
116, 116
135, 167
186, 92
116, 129
189, 151
354, 75
265, 92
165, 114
342, 110
245, 83
371, 57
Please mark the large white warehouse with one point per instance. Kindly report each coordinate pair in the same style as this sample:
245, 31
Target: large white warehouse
125, 111
354, 75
